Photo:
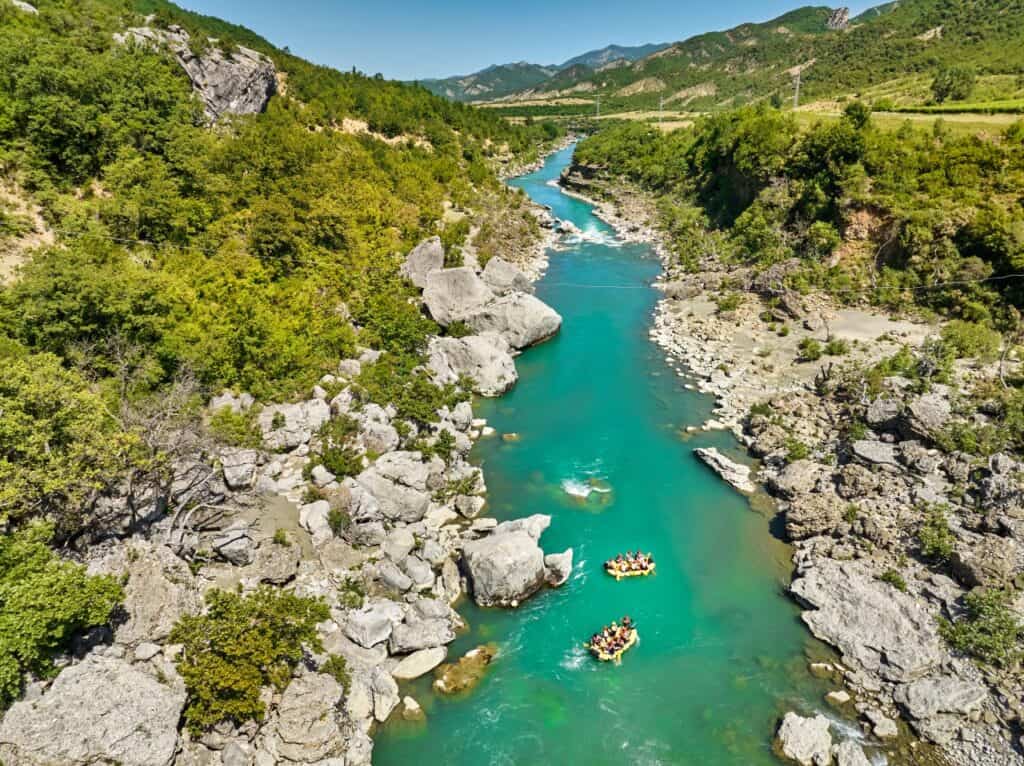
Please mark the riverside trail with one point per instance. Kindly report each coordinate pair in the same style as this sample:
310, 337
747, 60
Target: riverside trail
599, 415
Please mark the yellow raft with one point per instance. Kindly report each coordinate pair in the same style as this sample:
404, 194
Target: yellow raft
605, 657
609, 567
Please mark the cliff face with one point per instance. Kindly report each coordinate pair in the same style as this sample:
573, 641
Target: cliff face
239, 82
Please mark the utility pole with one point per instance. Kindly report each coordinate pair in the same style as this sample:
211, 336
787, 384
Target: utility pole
599, 107
796, 93
661, 111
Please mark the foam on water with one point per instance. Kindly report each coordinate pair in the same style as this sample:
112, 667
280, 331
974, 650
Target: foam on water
577, 488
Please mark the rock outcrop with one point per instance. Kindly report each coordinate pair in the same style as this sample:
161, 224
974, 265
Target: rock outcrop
521, 319
239, 81
507, 566
424, 259
502, 277
876, 628
485, 359
731, 472
806, 741
838, 20
102, 710
453, 295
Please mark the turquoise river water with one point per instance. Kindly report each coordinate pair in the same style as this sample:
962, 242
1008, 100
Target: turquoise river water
721, 652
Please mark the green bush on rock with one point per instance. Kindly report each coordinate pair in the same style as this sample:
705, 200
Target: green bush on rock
990, 631
240, 645
44, 601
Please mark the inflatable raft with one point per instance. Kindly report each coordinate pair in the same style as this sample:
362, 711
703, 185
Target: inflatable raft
631, 640
618, 574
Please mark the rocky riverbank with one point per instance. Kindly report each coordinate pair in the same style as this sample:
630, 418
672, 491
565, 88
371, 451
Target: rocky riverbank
860, 466
391, 547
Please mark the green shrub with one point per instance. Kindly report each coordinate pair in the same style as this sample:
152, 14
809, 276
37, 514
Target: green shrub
336, 666
240, 645
851, 514
971, 339
59, 444
989, 631
934, 536
810, 350
728, 302
44, 602
796, 450
895, 579
458, 329
281, 538
338, 520
337, 452
760, 408
237, 429
837, 347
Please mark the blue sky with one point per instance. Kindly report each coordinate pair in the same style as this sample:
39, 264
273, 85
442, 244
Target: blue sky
406, 39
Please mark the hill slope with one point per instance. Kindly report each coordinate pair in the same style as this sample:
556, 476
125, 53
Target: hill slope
501, 80
835, 55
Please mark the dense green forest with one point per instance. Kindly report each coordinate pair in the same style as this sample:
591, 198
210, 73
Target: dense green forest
186, 258
891, 217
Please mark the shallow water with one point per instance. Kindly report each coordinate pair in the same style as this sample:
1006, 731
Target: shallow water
598, 411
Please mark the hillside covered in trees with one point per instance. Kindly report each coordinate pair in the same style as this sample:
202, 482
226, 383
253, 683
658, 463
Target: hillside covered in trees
836, 56
152, 258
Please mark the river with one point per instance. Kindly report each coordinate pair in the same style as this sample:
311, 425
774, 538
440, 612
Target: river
721, 653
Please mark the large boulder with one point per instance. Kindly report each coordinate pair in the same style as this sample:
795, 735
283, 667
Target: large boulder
419, 663
558, 568
240, 81
239, 467
811, 515
875, 627
731, 472
504, 568
372, 625
309, 727
159, 589
101, 710
483, 358
798, 478
939, 705
502, 277
926, 416
455, 294
422, 260
415, 635
806, 741
398, 481
849, 753
521, 319
286, 426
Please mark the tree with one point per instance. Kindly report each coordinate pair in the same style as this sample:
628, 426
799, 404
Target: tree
59, 444
240, 645
953, 83
44, 601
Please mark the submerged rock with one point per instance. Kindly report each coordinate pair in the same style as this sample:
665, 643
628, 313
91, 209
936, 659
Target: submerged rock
731, 472
463, 675
101, 710
806, 741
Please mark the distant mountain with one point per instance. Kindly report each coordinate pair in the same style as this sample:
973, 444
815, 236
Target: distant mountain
492, 83
501, 80
834, 54
613, 53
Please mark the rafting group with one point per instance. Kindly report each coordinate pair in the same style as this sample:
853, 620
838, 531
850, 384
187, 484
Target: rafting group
613, 640
631, 565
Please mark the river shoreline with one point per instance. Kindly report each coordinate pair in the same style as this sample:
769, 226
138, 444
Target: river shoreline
742, 362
